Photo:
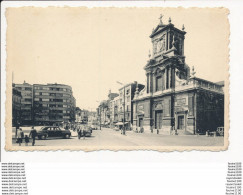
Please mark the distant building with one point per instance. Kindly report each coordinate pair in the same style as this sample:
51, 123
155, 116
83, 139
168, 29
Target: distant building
104, 111
126, 95
16, 107
175, 100
114, 110
46, 104
111, 112
82, 115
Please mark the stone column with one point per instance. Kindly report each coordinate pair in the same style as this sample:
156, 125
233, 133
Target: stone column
162, 80
148, 83
151, 82
165, 78
169, 79
168, 33
173, 77
182, 40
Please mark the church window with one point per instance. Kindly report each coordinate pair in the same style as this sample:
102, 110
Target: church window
158, 83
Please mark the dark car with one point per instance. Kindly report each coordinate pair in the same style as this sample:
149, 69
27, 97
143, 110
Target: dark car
52, 131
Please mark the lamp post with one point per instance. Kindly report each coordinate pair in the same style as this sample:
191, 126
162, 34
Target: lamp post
99, 114
124, 116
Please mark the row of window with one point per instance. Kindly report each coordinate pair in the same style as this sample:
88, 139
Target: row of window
53, 106
127, 92
51, 117
24, 88
53, 94
51, 100
52, 89
127, 99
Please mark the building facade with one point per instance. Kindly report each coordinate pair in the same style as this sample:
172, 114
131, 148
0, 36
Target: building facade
114, 110
26, 91
82, 116
16, 107
46, 104
53, 103
126, 95
105, 113
174, 99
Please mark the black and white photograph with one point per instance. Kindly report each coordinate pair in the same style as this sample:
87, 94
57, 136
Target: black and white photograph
117, 78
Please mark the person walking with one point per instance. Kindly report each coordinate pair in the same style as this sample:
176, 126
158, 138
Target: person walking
33, 134
84, 132
27, 140
79, 132
20, 134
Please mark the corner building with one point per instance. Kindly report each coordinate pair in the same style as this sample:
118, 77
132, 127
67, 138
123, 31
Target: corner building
174, 99
53, 103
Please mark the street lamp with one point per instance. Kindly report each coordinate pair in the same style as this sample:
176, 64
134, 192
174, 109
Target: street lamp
99, 114
124, 116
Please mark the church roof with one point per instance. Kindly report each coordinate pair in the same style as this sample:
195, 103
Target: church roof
161, 27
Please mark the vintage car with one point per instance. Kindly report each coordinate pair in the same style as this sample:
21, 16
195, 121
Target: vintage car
88, 132
53, 131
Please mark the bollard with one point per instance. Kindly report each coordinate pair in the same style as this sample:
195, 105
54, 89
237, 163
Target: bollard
207, 133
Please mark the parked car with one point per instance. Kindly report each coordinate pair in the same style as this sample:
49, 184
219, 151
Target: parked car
53, 131
88, 132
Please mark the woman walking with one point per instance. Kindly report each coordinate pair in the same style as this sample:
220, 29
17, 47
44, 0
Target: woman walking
20, 135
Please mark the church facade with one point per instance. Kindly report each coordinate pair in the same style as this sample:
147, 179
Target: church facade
174, 100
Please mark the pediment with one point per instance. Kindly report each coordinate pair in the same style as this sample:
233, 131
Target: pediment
159, 28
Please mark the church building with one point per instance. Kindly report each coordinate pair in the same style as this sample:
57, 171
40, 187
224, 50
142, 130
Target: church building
174, 100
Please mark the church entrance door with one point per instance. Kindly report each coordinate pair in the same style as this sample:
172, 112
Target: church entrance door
181, 122
158, 119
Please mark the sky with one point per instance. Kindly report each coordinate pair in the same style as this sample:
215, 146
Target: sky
92, 49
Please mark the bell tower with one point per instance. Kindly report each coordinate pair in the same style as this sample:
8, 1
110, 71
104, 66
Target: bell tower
167, 39
166, 67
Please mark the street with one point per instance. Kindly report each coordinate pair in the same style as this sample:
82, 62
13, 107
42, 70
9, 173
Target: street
110, 137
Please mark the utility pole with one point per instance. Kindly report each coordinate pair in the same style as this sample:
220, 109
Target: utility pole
99, 113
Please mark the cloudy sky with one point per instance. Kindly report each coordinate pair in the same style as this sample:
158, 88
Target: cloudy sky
91, 49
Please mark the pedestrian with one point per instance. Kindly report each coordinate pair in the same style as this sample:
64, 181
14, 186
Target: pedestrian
27, 140
157, 131
19, 136
33, 134
84, 132
79, 132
